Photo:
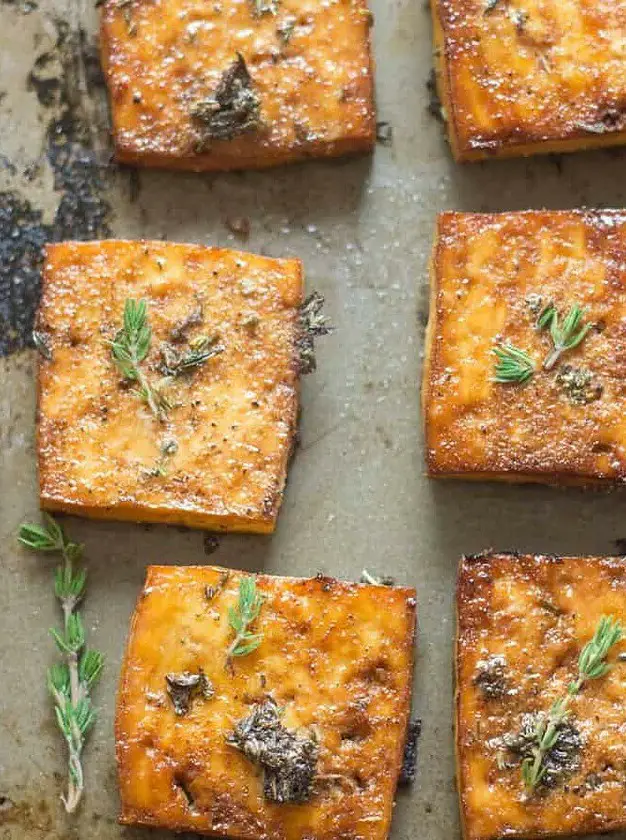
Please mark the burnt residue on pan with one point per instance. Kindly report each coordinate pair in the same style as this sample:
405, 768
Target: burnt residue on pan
67, 83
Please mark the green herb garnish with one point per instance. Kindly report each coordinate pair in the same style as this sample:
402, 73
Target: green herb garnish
592, 665
513, 365
129, 349
566, 336
69, 682
241, 616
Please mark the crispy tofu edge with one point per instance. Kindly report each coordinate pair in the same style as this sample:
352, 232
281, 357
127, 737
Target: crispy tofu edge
129, 817
494, 149
223, 160
128, 512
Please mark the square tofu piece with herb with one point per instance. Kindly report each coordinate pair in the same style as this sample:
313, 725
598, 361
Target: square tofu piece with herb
168, 382
520, 77
259, 707
523, 378
238, 84
540, 696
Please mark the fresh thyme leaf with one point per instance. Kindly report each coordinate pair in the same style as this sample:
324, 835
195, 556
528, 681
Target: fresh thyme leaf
592, 665
564, 336
513, 365
130, 348
241, 616
69, 682
313, 323
233, 110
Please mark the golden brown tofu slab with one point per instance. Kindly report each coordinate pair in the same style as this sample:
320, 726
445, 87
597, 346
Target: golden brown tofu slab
523, 622
512, 280
216, 456
335, 659
238, 84
520, 77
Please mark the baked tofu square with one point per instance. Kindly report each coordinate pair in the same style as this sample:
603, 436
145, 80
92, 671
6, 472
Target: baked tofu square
290, 726
238, 84
541, 695
526, 344
520, 77
168, 383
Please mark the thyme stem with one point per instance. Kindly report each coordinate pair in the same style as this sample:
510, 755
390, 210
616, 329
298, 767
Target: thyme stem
69, 682
592, 665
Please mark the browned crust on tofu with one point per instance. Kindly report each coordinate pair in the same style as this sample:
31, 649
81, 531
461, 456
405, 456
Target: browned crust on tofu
234, 418
316, 90
538, 612
483, 268
337, 656
530, 77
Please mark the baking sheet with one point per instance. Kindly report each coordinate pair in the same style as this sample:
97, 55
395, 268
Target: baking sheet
356, 496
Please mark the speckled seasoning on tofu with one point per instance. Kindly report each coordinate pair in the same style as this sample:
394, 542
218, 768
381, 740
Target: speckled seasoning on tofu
532, 615
217, 457
496, 280
520, 77
238, 84
329, 683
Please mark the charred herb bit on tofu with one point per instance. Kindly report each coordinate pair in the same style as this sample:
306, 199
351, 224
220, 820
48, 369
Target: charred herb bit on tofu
201, 349
491, 677
554, 731
264, 7
288, 759
182, 688
312, 324
42, 345
233, 110
69, 682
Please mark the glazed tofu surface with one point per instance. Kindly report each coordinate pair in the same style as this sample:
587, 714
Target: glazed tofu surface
492, 276
336, 660
238, 84
527, 76
218, 456
522, 624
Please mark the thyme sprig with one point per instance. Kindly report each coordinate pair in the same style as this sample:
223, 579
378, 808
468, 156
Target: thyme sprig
129, 349
241, 617
565, 336
513, 365
69, 682
592, 665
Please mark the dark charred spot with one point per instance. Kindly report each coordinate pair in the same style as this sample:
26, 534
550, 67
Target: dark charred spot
491, 677
409, 758
182, 688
